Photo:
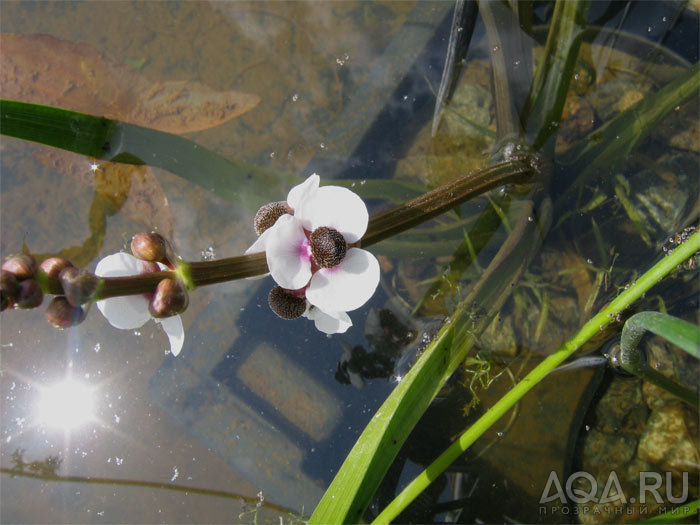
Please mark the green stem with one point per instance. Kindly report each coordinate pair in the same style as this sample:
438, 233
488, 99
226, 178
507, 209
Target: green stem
660, 270
381, 226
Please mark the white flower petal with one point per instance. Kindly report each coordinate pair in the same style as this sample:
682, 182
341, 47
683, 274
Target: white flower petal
118, 265
125, 313
334, 207
175, 332
347, 286
287, 254
261, 242
329, 322
300, 192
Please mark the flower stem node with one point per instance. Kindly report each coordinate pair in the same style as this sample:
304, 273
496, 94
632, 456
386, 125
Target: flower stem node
22, 265
268, 214
286, 304
170, 299
328, 246
53, 266
61, 314
132, 311
78, 285
29, 295
149, 246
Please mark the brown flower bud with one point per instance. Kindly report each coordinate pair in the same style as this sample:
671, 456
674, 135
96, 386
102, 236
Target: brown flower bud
170, 299
268, 214
53, 265
149, 247
62, 314
9, 288
286, 304
328, 246
29, 295
22, 265
78, 285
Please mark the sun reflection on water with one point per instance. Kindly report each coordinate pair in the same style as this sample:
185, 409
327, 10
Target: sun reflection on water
66, 405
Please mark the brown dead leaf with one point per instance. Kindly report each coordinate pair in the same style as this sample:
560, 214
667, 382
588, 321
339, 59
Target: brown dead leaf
47, 70
183, 107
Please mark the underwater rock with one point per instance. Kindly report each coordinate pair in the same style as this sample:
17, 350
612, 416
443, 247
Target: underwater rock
670, 439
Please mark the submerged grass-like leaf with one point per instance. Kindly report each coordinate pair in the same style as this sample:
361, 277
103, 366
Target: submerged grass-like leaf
606, 316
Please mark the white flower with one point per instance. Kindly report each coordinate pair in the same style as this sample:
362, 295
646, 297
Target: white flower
294, 197
131, 311
328, 322
313, 250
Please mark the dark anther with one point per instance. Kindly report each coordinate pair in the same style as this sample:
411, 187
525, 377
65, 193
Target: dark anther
286, 304
328, 246
267, 215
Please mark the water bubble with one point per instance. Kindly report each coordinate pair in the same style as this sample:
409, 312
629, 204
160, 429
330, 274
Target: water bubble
97, 347
322, 145
208, 253
295, 97
342, 59
589, 261
665, 19
273, 154
496, 49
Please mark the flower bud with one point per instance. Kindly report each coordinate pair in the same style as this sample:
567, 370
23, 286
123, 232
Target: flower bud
149, 247
29, 295
9, 288
268, 214
170, 299
328, 246
61, 314
22, 265
286, 304
53, 265
78, 285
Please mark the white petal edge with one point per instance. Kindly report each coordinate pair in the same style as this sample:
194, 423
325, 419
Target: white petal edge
125, 313
175, 332
299, 192
261, 242
118, 265
329, 322
347, 286
335, 207
290, 268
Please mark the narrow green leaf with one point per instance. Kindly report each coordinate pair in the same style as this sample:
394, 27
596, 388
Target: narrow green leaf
681, 333
117, 141
365, 466
545, 103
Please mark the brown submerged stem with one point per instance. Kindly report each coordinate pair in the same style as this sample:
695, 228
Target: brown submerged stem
519, 169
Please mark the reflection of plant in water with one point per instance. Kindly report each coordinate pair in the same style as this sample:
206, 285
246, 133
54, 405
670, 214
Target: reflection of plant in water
47, 468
